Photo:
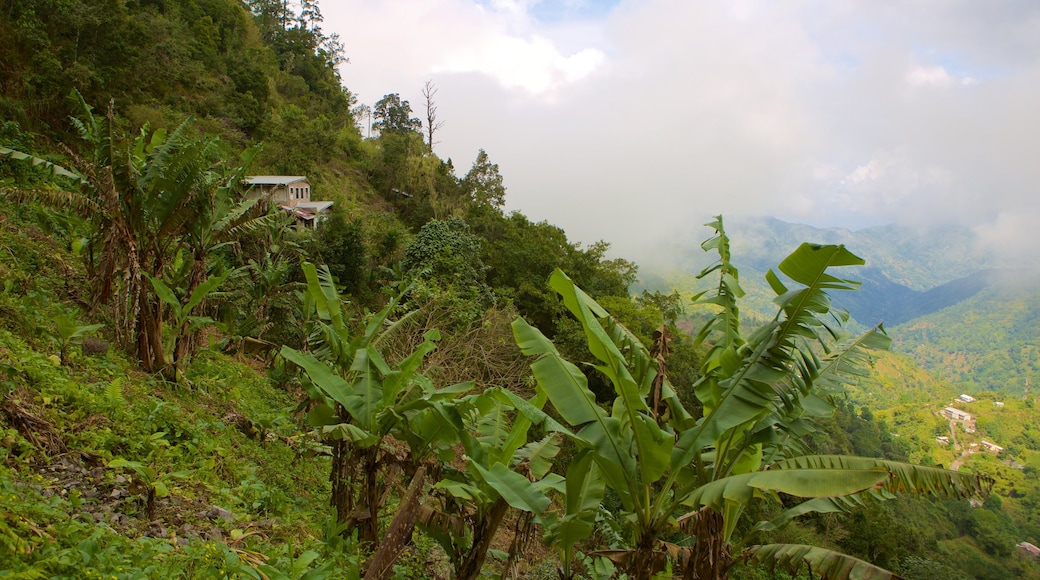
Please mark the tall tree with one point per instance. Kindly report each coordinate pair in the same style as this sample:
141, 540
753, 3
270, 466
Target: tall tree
483, 183
393, 115
432, 124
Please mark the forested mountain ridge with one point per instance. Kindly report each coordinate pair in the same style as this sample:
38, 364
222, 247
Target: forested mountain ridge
165, 430
909, 272
989, 342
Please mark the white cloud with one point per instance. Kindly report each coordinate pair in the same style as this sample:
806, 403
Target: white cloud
534, 64
656, 113
936, 76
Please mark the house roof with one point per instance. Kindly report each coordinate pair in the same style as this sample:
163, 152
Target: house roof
317, 206
1030, 548
274, 179
307, 210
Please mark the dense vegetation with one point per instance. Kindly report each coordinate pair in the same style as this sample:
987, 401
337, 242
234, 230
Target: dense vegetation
192, 387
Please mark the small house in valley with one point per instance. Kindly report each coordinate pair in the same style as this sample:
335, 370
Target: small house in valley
291, 193
958, 416
966, 399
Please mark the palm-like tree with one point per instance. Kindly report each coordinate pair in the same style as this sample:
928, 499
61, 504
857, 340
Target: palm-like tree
148, 198
676, 474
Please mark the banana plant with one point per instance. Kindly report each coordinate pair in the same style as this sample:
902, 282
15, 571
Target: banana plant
503, 470
361, 399
68, 332
146, 196
183, 323
675, 474
156, 483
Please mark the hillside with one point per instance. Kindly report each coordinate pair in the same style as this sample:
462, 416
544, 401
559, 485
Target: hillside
985, 343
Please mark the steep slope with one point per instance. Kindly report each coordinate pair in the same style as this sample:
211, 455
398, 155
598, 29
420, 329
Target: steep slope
990, 341
882, 300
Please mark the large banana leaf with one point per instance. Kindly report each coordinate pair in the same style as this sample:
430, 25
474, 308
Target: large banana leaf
333, 385
52, 168
516, 489
827, 564
631, 379
567, 388
819, 482
585, 487
903, 477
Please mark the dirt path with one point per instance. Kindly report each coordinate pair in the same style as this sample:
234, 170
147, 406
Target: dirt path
957, 463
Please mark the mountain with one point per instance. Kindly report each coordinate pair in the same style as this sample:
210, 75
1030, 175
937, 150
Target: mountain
990, 341
918, 259
908, 273
938, 294
881, 300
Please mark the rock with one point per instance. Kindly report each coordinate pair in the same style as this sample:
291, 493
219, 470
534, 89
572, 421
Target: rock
94, 346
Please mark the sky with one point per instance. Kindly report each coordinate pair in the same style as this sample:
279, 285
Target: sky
634, 121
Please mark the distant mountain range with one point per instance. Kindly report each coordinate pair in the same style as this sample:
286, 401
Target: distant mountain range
908, 272
917, 259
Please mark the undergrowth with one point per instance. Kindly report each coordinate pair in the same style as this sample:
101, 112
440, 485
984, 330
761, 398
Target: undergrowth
106, 472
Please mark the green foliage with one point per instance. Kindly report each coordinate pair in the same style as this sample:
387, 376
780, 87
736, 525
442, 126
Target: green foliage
68, 332
483, 184
83, 446
758, 394
394, 115
361, 398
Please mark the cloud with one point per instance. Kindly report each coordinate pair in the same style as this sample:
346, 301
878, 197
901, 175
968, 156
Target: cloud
629, 121
936, 76
534, 64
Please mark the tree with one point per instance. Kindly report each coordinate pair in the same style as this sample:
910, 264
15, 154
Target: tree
678, 475
361, 398
393, 115
483, 183
150, 199
502, 470
432, 124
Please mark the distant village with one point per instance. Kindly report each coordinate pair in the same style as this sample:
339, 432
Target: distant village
967, 422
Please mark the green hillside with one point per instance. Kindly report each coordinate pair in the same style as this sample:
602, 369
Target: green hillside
986, 343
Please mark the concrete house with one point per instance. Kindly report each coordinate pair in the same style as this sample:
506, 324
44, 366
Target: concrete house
291, 193
992, 447
955, 414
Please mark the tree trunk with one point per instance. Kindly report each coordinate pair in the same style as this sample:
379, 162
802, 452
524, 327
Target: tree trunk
645, 561
400, 531
371, 499
710, 559
186, 344
342, 486
149, 335
483, 532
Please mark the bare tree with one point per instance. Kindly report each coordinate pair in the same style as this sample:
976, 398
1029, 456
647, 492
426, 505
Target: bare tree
432, 124
363, 118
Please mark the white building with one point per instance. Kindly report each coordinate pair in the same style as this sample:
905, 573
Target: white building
955, 414
291, 193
